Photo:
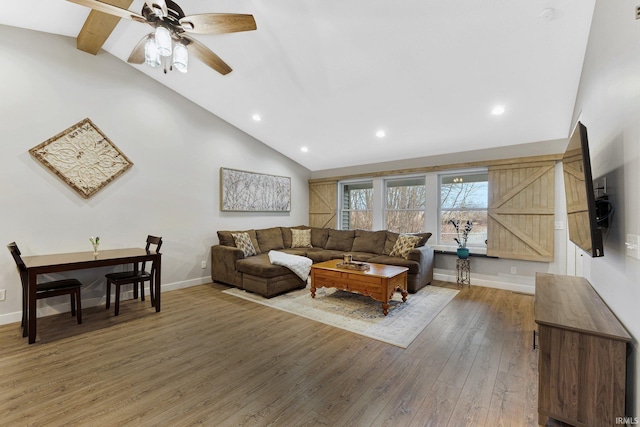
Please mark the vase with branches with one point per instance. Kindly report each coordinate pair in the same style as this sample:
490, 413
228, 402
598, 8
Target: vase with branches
462, 235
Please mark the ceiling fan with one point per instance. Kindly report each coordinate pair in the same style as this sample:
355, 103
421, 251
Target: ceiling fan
170, 43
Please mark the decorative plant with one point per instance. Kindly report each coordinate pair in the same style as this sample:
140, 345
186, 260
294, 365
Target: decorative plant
462, 235
95, 242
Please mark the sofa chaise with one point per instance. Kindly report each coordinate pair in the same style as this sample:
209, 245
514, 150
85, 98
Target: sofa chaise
246, 265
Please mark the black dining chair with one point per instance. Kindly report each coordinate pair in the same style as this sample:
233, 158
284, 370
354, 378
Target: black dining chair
133, 277
46, 289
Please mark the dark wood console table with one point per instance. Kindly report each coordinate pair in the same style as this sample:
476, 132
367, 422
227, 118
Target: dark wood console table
582, 354
54, 263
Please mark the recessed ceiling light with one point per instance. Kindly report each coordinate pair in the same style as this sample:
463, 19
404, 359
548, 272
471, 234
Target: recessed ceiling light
380, 134
256, 117
304, 149
497, 110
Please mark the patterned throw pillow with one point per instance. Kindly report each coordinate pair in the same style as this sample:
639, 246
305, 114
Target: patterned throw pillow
403, 245
243, 241
301, 238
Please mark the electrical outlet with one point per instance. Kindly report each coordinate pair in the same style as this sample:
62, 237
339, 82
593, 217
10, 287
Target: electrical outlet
3, 294
633, 246
203, 264
514, 270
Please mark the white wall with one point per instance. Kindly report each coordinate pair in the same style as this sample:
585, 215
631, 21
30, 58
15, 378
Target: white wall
177, 148
608, 104
540, 148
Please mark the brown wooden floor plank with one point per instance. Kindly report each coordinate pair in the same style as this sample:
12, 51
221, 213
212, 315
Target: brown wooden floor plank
514, 378
475, 398
219, 360
366, 407
437, 407
461, 359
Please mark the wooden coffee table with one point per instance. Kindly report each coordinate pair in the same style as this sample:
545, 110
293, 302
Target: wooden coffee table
379, 282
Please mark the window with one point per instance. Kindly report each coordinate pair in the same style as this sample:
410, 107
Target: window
418, 203
405, 205
464, 196
357, 206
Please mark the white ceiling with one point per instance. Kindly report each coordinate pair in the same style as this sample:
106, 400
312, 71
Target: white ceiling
328, 75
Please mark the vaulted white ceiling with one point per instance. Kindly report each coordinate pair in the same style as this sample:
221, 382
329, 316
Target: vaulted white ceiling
327, 75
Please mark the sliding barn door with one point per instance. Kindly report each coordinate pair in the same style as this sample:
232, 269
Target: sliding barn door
322, 204
521, 211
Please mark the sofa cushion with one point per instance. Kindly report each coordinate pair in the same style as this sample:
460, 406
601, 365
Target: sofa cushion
424, 237
390, 242
404, 243
362, 256
340, 240
261, 266
369, 241
321, 255
226, 239
270, 239
319, 237
286, 233
271, 286
243, 242
413, 266
300, 238
295, 251
392, 237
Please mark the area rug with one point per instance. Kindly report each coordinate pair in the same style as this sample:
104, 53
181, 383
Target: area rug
362, 315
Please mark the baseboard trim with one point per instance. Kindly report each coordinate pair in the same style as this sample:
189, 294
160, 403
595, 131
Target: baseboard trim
489, 282
48, 310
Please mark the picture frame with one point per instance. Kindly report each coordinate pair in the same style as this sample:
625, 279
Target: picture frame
243, 191
83, 157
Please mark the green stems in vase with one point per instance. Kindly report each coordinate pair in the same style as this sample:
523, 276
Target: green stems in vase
95, 242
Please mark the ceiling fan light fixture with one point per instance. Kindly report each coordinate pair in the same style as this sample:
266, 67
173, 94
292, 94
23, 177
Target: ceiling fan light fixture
170, 27
151, 55
181, 57
163, 41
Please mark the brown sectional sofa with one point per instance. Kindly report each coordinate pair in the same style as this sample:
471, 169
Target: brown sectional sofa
256, 274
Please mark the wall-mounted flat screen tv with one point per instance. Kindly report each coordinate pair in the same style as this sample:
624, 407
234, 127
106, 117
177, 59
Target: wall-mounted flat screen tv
582, 219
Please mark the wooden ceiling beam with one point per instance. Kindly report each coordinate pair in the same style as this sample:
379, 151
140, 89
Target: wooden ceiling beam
98, 27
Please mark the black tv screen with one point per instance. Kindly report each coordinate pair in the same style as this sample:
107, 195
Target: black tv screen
582, 216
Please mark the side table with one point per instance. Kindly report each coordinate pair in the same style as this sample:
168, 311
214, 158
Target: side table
463, 266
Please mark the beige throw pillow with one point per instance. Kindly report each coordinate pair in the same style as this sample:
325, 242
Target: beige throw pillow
403, 245
243, 242
300, 238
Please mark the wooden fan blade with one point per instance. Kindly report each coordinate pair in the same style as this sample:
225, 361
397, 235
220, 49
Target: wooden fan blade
110, 9
137, 54
205, 55
217, 23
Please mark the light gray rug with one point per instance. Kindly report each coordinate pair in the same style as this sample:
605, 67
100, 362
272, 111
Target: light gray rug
360, 314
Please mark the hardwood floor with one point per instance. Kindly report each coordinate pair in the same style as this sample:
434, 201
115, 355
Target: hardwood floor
213, 359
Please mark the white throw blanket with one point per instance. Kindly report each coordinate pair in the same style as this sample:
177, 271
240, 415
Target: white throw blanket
300, 265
